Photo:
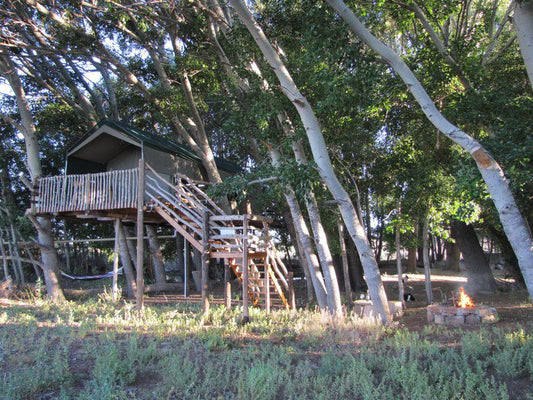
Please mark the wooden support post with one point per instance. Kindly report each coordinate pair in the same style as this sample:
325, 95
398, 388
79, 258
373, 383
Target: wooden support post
114, 290
345, 268
245, 283
267, 283
16, 254
205, 265
227, 284
140, 237
292, 296
13, 261
186, 267
4, 259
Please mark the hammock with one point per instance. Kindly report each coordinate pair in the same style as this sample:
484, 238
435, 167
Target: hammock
91, 277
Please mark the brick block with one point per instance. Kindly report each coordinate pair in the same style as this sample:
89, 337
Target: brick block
472, 319
455, 319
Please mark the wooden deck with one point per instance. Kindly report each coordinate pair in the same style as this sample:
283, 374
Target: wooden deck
243, 241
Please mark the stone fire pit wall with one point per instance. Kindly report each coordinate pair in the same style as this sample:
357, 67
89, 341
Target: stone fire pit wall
442, 314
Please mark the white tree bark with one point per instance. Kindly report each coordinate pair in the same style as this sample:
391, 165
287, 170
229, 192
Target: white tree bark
321, 241
523, 22
321, 157
514, 224
303, 232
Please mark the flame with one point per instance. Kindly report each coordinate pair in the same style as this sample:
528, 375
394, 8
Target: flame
464, 300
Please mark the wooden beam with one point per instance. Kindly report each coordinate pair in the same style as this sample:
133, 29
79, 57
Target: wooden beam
140, 237
180, 229
227, 285
114, 290
245, 281
186, 267
205, 265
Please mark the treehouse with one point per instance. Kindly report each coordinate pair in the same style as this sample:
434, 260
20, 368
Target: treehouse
119, 173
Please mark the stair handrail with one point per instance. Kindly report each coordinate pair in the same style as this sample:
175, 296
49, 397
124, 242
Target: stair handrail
165, 195
177, 188
192, 185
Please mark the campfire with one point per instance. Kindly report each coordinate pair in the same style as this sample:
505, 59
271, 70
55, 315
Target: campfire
462, 311
464, 300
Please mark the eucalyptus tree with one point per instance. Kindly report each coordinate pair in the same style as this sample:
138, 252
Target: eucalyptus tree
322, 159
325, 282
523, 21
157, 50
27, 128
513, 222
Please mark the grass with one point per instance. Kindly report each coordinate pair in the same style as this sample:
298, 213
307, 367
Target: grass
97, 350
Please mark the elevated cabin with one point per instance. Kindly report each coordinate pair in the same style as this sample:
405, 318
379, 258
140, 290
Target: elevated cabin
105, 170
101, 172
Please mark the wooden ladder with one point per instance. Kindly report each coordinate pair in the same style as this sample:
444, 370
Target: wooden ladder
241, 240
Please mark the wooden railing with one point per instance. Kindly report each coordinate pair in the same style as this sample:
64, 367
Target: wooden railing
88, 192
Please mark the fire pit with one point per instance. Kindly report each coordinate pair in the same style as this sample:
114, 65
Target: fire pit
461, 312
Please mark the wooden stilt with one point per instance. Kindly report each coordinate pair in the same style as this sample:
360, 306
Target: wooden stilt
114, 289
186, 267
140, 238
227, 285
4, 259
267, 284
345, 267
205, 265
244, 266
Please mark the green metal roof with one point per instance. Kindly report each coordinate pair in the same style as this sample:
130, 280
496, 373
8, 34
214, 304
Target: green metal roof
157, 142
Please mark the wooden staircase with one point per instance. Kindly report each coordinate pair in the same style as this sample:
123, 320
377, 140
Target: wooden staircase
243, 241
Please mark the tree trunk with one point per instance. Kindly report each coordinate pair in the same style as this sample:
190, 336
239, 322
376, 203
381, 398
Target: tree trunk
321, 241
523, 22
439, 253
412, 251
27, 128
480, 278
157, 257
356, 269
411, 259
513, 222
453, 256
324, 166
125, 256
345, 267
305, 238
399, 268
50, 261
425, 257
511, 263
297, 244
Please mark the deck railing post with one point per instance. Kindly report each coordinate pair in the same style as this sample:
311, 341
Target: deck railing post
245, 284
115, 261
140, 237
267, 283
186, 267
227, 285
205, 264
